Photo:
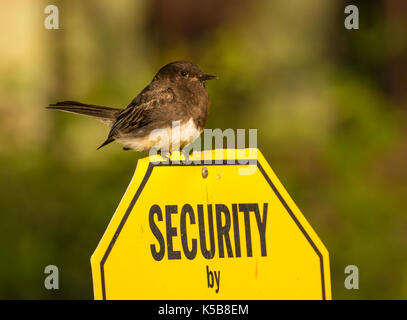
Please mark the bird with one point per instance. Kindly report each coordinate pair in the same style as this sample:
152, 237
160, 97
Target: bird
173, 107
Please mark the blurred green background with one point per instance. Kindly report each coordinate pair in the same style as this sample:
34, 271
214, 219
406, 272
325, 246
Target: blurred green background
329, 105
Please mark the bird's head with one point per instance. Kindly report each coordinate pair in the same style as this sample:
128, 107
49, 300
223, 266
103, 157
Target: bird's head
183, 72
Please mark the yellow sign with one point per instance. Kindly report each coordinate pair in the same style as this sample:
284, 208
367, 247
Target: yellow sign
221, 229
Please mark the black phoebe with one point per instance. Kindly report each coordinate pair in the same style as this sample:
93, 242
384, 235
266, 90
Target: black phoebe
176, 95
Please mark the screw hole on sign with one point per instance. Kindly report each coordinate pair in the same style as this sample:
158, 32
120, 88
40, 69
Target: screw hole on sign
205, 172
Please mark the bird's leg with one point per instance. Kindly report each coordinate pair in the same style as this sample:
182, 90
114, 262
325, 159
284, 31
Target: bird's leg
164, 154
186, 154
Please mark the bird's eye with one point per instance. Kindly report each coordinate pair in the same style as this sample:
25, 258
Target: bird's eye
184, 73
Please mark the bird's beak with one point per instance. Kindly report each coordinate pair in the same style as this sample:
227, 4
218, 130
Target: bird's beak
205, 77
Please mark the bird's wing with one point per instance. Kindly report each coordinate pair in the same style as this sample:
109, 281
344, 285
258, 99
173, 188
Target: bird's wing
138, 112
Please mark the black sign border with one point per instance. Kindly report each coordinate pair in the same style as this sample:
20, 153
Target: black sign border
214, 162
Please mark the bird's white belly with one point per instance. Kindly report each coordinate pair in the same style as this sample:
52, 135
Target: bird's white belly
169, 138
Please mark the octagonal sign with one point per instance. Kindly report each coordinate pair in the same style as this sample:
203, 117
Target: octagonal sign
219, 226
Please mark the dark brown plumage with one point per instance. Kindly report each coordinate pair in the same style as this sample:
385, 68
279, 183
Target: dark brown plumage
177, 93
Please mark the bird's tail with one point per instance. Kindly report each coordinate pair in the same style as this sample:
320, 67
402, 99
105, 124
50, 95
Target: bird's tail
104, 114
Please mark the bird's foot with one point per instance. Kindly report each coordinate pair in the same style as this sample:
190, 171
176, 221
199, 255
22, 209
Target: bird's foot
186, 154
165, 155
